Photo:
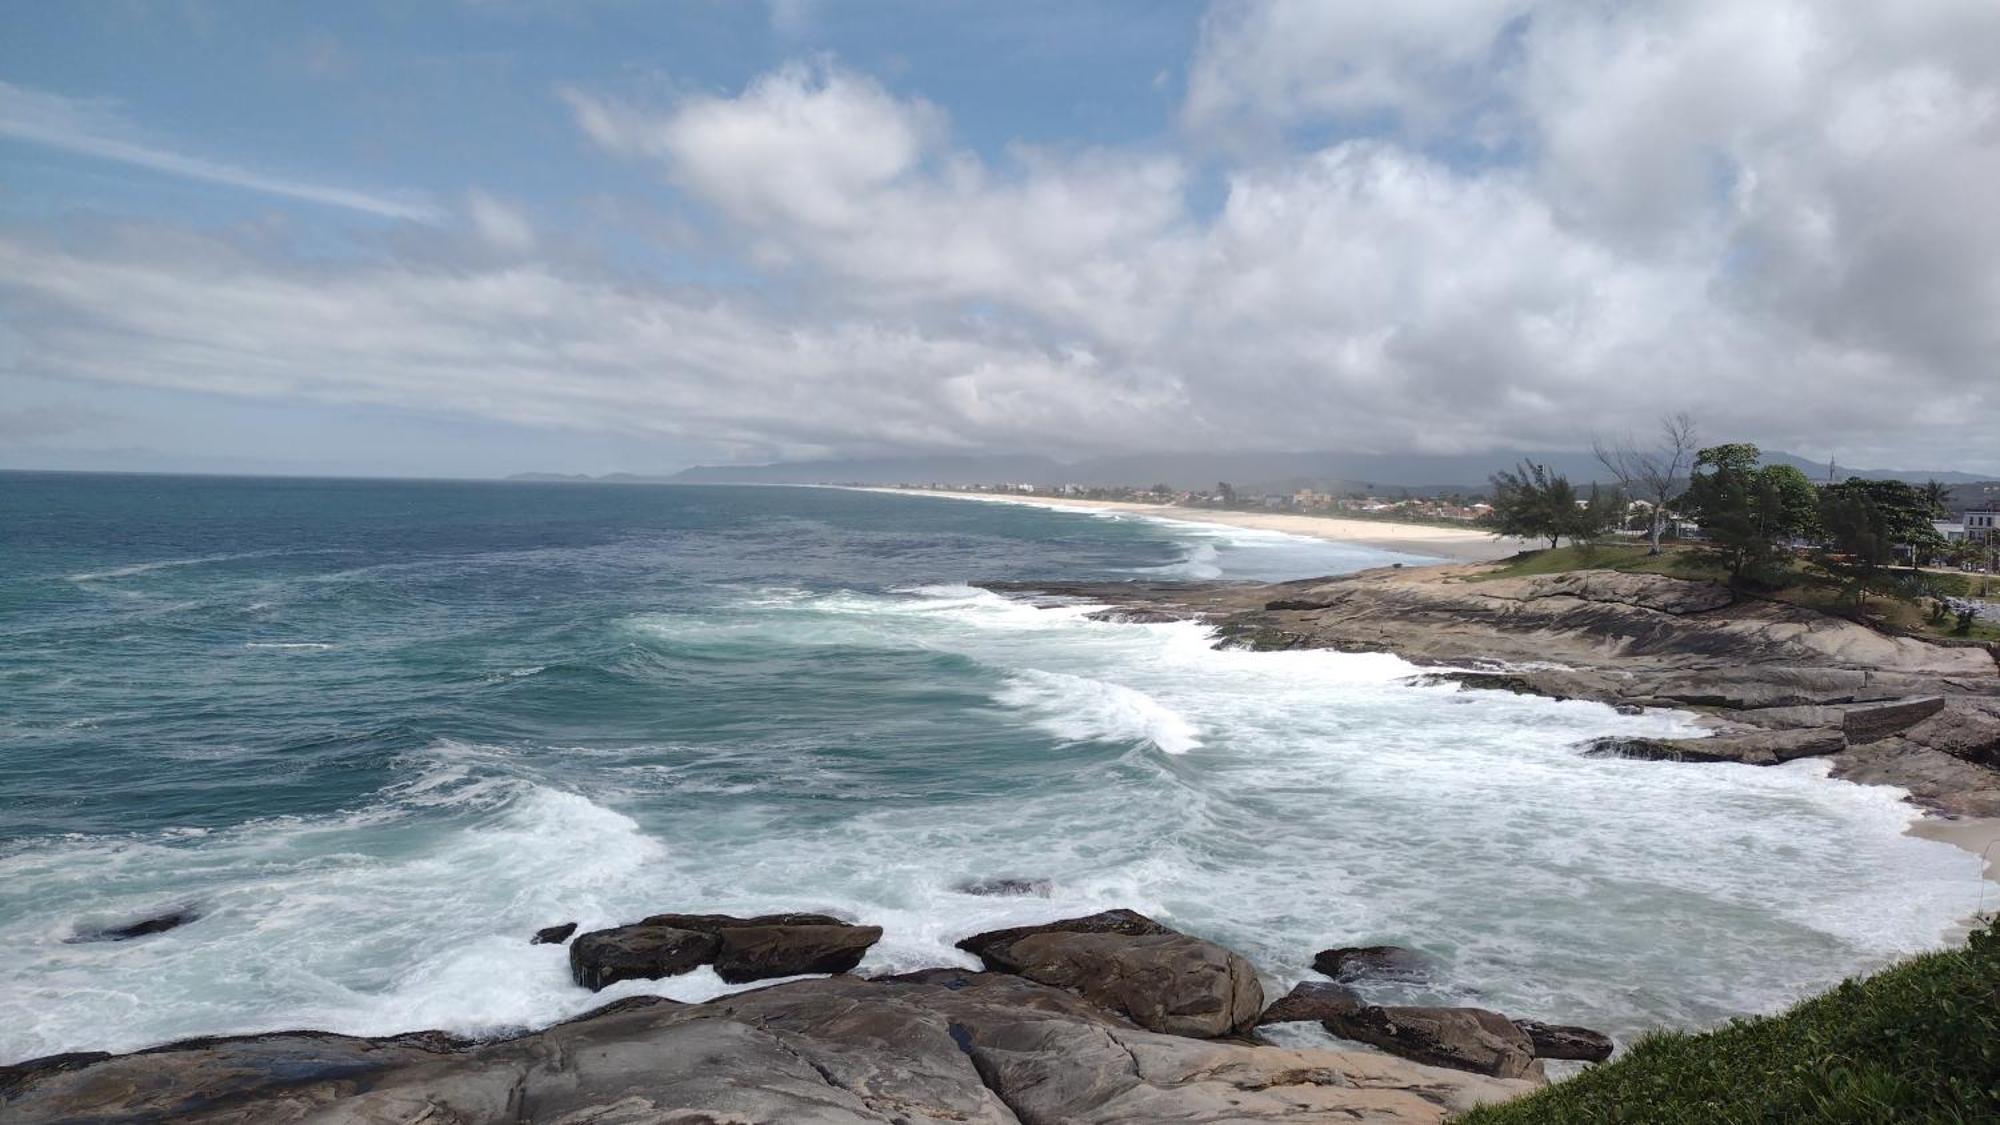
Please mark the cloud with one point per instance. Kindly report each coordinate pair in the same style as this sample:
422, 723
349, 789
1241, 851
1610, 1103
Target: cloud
1499, 225
92, 127
499, 225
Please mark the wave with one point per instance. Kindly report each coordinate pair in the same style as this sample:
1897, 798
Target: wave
301, 646
1080, 709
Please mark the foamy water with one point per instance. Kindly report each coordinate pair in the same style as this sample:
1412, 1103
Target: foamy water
750, 745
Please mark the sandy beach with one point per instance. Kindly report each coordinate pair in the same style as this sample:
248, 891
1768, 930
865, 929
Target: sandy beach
1451, 544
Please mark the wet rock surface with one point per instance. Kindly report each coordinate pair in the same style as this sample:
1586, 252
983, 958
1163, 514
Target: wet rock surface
1374, 962
553, 935
159, 923
1558, 1041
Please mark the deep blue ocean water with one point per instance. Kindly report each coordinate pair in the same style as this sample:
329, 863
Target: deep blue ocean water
376, 732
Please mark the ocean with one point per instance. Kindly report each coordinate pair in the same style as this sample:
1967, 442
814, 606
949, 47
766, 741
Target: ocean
376, 733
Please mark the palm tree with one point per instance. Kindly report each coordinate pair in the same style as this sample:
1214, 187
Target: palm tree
1937, 496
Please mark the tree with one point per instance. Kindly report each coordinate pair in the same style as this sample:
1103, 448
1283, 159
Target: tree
1653, 475
1869, 525
1937, 498
1749, 511
1533, 503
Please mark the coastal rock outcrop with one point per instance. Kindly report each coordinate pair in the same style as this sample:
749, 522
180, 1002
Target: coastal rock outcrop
1162, 979
1471, 1039
936, 1046
1559, 1041
741, 949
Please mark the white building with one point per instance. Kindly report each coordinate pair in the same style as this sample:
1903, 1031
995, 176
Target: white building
1949, 532
1982, 525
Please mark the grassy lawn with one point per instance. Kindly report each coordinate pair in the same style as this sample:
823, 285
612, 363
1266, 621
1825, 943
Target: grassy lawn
1917, 1042
1804, 586
1677, 562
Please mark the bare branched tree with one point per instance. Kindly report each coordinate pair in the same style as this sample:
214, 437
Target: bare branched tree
1654, 475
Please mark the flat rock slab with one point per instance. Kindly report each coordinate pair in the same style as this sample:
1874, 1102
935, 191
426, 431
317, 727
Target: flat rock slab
1754, 748
938, 1046
1875, 721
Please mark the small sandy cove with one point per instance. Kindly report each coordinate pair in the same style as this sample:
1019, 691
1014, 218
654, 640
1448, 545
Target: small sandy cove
1457, 544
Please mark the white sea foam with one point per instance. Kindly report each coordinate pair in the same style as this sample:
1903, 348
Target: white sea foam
1303, 799
1076, 708
290, 646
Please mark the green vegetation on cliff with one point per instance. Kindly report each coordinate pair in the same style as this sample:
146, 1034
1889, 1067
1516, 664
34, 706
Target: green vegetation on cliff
1917, 1042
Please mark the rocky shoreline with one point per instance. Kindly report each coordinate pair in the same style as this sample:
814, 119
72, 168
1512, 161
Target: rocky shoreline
1111, 1017
1115, 1017
1774, 681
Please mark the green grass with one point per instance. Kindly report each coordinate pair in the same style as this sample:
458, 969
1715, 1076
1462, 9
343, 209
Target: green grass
1917, 1042
1674, 562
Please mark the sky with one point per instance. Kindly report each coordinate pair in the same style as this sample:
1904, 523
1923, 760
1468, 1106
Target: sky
480, 237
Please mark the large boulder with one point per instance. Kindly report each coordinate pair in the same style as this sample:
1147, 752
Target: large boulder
748, 953
1374, 962
1162, 979
742, 949
1558, 1041
638, 952
1471, 1039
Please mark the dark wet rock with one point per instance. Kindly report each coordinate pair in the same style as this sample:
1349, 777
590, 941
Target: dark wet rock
1162, 979
1374, 962
748, 953
1471, 1039
638, 952
1557, 1041
1754, 748
553, 935
742, 949
1312, 1001
1040, 888
939, 1046
143, 927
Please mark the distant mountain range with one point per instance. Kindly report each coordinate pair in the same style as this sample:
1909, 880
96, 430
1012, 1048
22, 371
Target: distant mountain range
1246, 471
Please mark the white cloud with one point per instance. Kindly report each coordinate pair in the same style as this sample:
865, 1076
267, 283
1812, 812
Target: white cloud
1776, 216
93, 128
499, 225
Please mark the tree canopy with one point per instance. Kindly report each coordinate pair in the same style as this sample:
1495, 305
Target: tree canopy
1533, 503
1749, 511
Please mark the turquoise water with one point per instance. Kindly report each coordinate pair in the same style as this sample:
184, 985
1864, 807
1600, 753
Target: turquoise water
375, 733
